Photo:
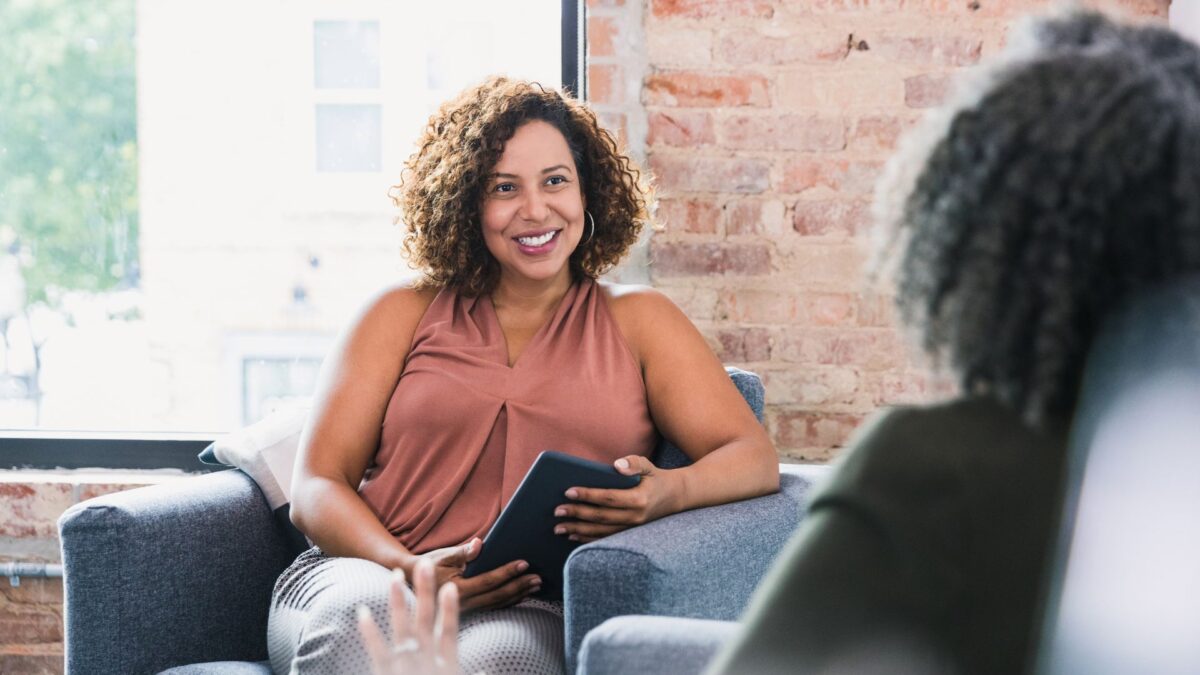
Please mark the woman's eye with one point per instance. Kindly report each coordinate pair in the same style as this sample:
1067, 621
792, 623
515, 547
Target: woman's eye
504, 187
556, 180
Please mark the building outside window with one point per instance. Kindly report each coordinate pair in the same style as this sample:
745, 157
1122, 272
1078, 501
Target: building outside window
193, 196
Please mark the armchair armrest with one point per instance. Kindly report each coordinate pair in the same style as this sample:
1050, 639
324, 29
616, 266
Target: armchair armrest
701, 564
169, 574
643, 644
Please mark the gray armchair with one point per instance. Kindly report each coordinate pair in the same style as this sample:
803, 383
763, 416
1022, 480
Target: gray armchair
179, 576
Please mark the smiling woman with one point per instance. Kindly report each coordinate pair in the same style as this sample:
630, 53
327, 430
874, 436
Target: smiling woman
443, 392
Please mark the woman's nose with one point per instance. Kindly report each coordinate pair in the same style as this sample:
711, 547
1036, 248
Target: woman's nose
534, 207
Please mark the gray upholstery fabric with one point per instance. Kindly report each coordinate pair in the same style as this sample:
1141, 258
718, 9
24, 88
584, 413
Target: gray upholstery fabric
169, 575
222, 668
702, 564
653, 644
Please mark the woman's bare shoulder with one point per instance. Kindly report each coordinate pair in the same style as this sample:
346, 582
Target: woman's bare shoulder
634, 299
647, 318
391, 316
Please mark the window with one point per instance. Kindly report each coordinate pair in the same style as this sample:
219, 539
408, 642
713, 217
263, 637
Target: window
193, 198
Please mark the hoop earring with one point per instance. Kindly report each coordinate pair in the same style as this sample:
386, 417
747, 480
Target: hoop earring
592, 232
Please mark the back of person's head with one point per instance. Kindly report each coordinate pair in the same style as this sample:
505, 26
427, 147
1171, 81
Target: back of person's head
1057, 181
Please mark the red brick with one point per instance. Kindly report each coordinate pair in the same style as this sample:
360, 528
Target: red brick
745, 47
782, 307
689, 215
800, 428
744, 345
697, 302
805, 133
826, 217
673, 259
90, 490
702, 90
812, 386
847, 177
926, 91
840, 89
604, 85
754, 216
30, 625
701, 9
680, 128
32, 660
829, 266
32, 591
685, 173
601, 32
876, 309
937, 50
679, 46
877, 132
870, 349
899, 388
616, 124
32, 509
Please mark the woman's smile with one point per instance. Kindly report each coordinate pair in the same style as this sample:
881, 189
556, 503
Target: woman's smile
537, 243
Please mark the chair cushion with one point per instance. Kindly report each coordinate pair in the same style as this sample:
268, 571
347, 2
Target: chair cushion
222, 668
653, 644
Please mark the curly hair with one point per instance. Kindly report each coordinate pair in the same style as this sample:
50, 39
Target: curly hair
1052, 186
442, 190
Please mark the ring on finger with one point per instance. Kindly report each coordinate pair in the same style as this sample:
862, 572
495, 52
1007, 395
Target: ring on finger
406, 646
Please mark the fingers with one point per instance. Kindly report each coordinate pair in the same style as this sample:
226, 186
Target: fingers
611, 515
487, 581
373, 639
423, 585
506, 594
446, 632
582, 531
634, 465
455, 557
398, 603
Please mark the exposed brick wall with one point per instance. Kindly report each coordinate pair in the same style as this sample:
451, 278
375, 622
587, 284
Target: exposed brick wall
767, 125
31, 628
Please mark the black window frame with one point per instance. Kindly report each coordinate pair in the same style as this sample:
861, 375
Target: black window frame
48, 450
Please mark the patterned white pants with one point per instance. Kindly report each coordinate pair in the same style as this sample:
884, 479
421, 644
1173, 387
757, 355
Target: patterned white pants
313, 629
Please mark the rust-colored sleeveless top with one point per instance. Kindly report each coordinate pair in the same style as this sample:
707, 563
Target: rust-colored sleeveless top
462, 427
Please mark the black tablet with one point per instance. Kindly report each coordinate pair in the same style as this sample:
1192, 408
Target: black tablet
525, 529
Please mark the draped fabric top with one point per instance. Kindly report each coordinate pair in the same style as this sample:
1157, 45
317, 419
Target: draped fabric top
462, 427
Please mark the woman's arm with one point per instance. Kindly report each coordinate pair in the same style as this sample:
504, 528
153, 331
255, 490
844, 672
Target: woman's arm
342, 434
694, 404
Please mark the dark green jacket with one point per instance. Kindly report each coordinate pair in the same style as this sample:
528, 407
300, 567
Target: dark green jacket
925, 551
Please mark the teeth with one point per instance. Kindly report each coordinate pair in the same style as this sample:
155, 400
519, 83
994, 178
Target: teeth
536, 241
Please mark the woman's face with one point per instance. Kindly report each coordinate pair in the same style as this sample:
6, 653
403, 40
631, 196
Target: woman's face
533, 205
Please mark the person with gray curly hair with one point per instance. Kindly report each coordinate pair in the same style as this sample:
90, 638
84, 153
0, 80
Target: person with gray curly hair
1056, 183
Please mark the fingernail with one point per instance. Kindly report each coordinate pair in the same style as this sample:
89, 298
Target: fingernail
559, 529
572, 493
622, 463
522, 566
364, 614
536, 581
560, 511
573, 538
398, 576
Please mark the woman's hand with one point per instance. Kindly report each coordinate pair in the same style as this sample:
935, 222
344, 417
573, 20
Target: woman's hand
506, 585
598, 512
422, 646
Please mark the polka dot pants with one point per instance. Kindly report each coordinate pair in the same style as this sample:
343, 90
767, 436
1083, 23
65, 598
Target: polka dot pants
313, 629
